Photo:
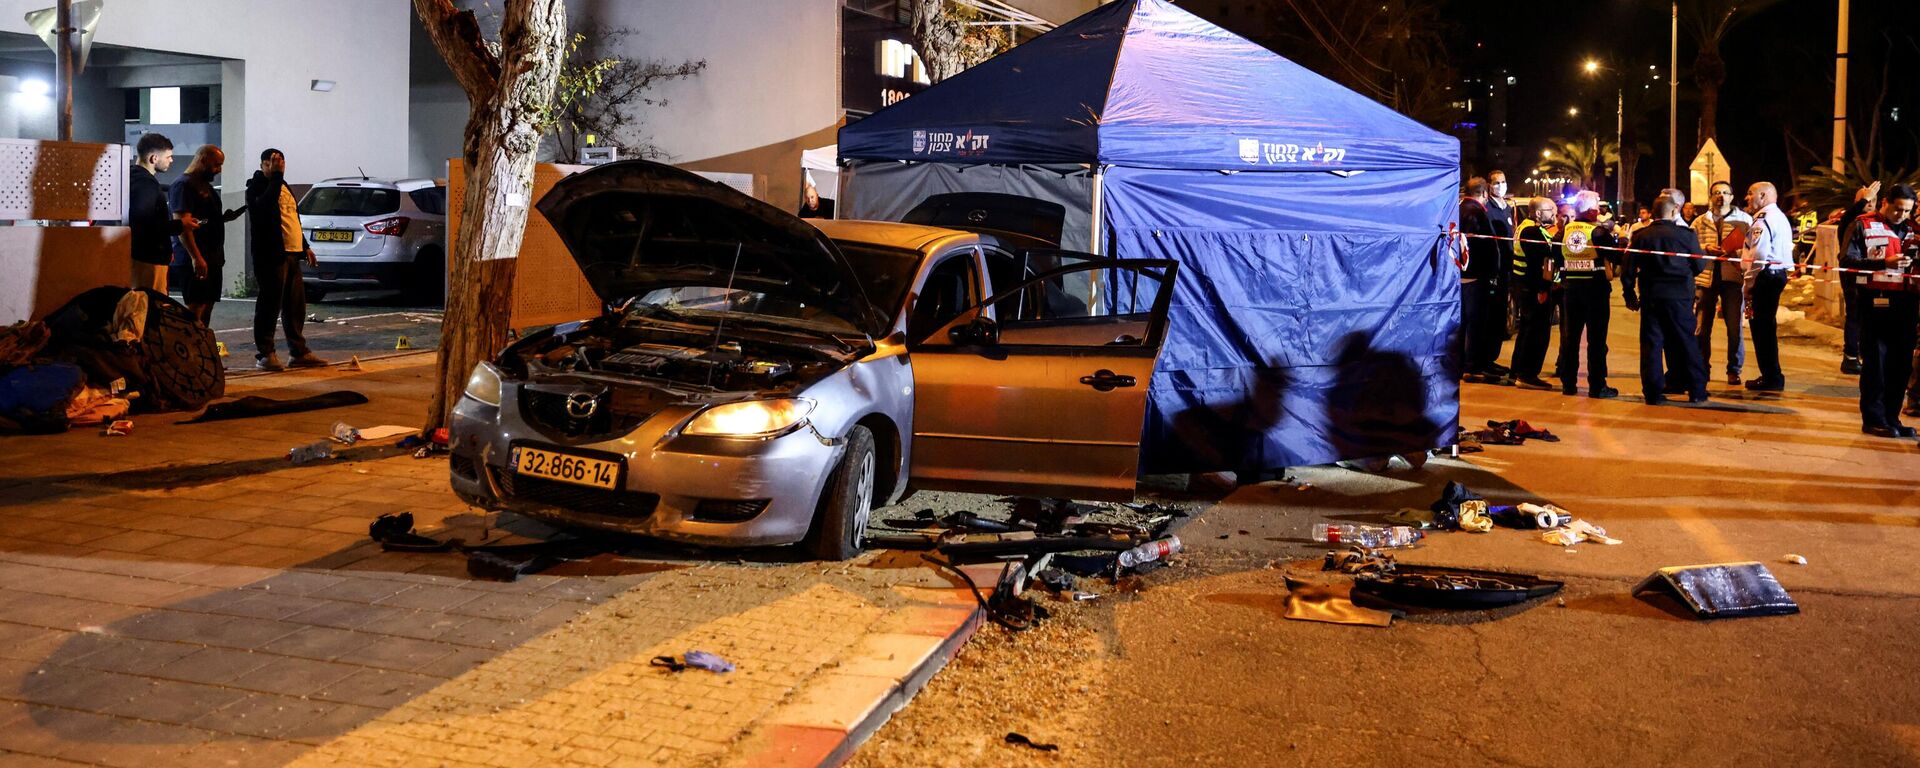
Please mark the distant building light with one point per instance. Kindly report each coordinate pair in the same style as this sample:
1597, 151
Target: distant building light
37, 87
163, 106
323, 86
1511, 80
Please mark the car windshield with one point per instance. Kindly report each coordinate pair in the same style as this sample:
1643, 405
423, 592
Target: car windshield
884, 277
884, 273
350, 201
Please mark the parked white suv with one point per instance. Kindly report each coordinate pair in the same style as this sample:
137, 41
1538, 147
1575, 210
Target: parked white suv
376, 231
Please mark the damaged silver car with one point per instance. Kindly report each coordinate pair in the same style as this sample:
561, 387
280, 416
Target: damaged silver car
758, 380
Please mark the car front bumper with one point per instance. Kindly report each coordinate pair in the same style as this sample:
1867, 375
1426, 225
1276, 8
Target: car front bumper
673, 486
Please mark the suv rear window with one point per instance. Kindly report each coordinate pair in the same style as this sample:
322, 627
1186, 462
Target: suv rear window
430, 200
350, 201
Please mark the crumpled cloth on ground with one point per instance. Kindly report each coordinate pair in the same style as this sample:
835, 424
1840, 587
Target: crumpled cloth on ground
95, 405
1446, 510
1474, 517
1358, 559
1523, 430
1332, 605
130, 318
1576, 532
20, 342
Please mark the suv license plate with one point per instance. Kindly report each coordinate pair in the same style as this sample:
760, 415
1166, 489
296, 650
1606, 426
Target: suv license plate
566, 468
333, 235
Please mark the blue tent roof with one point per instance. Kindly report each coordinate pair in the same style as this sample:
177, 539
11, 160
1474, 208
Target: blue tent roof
1143, 83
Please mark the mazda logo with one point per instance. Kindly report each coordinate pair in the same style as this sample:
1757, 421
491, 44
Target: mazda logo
581, 405
976, 215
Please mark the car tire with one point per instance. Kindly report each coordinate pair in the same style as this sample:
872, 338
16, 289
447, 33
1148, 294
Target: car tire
840, 525
315, 294
429, 283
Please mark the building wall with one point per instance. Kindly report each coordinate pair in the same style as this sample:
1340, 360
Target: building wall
282, 46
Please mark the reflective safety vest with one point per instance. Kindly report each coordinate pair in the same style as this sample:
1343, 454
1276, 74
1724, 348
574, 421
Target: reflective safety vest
1522, 263
1579, 259
1877, 234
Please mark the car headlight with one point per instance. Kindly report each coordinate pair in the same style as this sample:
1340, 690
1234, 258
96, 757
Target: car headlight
484, 384
752, 418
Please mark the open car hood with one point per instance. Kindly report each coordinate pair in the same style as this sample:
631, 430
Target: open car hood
635, 226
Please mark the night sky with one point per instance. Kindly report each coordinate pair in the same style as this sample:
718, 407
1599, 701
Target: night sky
1779, 77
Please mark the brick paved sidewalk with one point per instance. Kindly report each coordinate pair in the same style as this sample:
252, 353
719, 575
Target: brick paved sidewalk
183, 596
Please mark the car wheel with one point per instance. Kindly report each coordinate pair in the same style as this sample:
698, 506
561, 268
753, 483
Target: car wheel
840, 526
315, 294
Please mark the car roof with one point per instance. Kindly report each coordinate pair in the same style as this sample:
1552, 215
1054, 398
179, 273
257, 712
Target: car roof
404, 185
890, 234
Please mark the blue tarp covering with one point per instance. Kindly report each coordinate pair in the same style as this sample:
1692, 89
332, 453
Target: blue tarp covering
1315, 313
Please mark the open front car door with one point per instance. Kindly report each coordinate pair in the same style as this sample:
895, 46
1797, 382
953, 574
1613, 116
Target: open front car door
1041, 390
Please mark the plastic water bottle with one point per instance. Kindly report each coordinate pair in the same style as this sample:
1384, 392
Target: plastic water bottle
1369, 536
1150, 551
311, 452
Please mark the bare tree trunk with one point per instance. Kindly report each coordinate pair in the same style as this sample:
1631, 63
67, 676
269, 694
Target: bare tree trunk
1709, 72
510, 93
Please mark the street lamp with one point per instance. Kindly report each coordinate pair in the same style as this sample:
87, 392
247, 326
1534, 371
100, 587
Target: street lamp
1593, 67
1573, 111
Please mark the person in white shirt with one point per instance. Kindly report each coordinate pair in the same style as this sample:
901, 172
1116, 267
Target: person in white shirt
1721, 289
1767, 258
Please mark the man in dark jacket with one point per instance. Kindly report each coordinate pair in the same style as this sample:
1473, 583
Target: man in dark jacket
1863, 201
1661, 289
279, 245
153, 227
1483, 317
205, 251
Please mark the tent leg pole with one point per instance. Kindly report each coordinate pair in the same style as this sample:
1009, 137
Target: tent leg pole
1097, 247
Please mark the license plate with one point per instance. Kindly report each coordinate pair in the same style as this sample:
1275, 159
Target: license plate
566, 468
333, 235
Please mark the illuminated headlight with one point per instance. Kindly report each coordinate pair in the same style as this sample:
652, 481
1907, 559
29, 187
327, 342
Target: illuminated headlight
484, 384
753, 418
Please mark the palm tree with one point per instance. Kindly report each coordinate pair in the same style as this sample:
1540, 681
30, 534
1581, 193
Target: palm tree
1707, 21
1584, 159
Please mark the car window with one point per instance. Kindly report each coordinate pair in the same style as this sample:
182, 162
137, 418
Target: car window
430, 200
1094, 302
349, 201
885, 273
951, 288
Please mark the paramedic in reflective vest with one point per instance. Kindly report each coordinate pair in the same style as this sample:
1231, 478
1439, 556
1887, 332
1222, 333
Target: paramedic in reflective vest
1482, 309
1585, 265
1660, 288
1767, 259
1885, 243
1718, 289
1531, 280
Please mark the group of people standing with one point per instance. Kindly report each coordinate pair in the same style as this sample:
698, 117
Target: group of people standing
1535, 257
185, 225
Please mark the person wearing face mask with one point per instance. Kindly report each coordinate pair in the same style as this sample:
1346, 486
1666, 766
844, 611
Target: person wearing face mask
279, 245
1483, 304
1885, 243
1718, 288
1767, 258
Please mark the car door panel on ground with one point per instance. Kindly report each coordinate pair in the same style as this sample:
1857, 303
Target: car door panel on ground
1041, 389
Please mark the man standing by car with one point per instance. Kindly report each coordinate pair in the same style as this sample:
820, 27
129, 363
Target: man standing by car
192, 196
278, 245
147, 214
1718, 289
1890, 309
1767, 258
1660, 288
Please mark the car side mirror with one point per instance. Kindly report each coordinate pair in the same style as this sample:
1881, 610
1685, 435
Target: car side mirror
980, 332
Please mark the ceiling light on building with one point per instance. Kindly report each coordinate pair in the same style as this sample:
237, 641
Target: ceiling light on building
323, 86
35, 87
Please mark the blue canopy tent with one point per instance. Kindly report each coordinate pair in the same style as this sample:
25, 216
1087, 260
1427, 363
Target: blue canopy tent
1316, 306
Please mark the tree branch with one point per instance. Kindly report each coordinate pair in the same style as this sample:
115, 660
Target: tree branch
456, 33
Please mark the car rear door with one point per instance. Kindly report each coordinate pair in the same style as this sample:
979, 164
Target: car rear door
1041, 389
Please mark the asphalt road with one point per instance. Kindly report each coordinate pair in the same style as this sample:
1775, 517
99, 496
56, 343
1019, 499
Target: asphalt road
365, 324
1200, 668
